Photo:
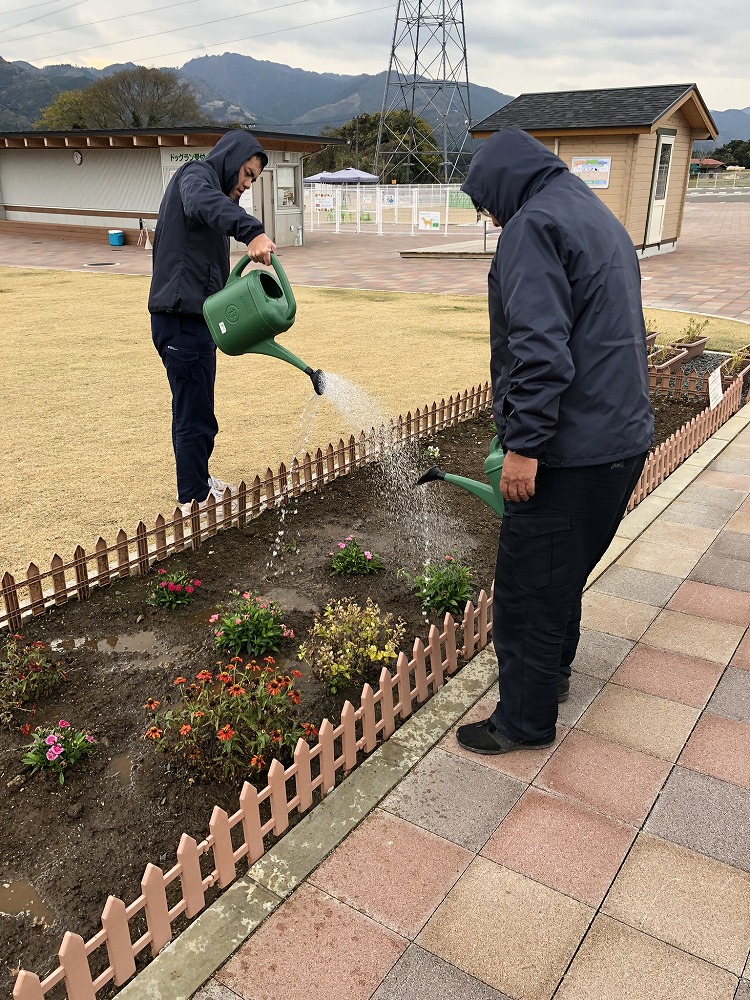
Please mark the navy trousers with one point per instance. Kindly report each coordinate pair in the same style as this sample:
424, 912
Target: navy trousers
548, 547
189, 355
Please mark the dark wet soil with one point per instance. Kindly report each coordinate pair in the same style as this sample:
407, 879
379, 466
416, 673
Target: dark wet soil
64, 849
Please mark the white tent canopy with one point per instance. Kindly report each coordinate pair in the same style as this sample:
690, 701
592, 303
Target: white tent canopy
349, 175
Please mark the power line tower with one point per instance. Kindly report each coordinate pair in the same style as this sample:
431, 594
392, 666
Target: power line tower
428, 77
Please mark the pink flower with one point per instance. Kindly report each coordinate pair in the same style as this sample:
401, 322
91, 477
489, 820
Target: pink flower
246, 595
197, 583
368, 555
449, 559
51, 755
189, 589
171, 588
213, 618
237, 621
342, 545
162, 571
177, 588
51, 740
349, 538
163, 583
89, 738
63, 724
58, 748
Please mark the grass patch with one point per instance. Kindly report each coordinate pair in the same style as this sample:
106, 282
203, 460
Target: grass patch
723, 334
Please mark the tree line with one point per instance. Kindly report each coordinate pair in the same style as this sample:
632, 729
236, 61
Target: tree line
735, 153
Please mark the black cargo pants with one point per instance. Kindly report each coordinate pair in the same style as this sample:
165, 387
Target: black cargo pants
548, 547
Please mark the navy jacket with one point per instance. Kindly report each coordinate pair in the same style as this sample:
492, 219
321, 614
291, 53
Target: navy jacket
196, 218
567, 335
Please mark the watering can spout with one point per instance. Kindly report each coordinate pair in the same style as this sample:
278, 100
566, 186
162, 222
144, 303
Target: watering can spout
488, 492
318, 379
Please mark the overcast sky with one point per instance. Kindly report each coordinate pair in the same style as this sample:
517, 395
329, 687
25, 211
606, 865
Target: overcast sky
512, 47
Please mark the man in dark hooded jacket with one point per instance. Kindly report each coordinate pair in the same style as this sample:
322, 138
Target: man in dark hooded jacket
572, 409
198, 214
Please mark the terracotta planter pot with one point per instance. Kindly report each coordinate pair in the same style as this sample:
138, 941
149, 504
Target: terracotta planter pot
743, 372
671, 366
651, 339
694, 347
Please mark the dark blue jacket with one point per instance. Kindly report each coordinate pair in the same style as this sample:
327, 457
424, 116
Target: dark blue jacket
567, 335
196, 218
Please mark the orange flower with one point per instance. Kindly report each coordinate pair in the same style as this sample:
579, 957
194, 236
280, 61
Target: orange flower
198, 715
309, 730
180, 680
296, 674
274, 688
294, 697
236, 690
225, 733
224, 678
236, 659
153, 733
276, 735
184, 730
268, 659
257, 762
204, 675
152, 704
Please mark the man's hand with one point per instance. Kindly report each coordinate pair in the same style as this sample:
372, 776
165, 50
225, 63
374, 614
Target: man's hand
260, 249
519, 475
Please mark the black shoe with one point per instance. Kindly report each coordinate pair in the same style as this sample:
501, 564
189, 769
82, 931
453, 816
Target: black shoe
485, 737
563, 688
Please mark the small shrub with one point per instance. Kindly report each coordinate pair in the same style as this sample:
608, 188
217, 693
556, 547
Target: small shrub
694, 330
346, 640
650, 325
230, 723
737, 361
250, 626
26, 674
443, 587
58, 748
171, 590
351, 559
432, 452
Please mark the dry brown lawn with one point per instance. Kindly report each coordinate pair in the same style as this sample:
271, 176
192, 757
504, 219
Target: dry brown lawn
85, 402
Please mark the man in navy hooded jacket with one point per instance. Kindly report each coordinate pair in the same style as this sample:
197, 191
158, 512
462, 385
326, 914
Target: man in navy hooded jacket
198, 214
572, 410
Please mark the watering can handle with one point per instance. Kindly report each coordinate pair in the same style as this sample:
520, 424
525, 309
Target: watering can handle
236, 273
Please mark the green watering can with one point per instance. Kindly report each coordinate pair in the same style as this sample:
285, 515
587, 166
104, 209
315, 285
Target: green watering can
489, 492
250, 310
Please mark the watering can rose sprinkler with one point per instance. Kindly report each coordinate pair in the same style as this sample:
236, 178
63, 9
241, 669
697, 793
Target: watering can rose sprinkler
250, 310
488, 492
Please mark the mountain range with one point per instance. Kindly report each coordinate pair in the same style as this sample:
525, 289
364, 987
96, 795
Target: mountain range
238, 88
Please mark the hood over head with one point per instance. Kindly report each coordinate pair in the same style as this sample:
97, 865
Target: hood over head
507, 169
230, 152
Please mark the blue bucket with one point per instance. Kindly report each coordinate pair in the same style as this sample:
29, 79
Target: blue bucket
116, 238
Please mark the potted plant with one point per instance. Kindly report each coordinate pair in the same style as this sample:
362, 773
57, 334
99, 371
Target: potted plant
691, 340
666, 359
651, 333
736, 366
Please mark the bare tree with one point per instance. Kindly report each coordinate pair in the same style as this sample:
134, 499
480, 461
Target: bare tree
132, 98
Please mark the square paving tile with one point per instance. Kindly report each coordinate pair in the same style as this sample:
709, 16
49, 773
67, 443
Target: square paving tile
722, 571
600, 654
727, 463
732, 545
524, 766
743, 990
713, 496
509, 931
638, 585
679, 536
654, 557
691, 513
640, 721
617, 962
721, 748
741, 658
429, 797
669, 675
718, 603
611, 778
358, 953
691, 636
740, 522
583, 690
354, 872
686, 899
616, 616
731, 699
724, 480
420, 975
706, 815
561, 843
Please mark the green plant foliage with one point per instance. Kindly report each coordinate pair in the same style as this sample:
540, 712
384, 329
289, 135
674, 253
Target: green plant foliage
57, 749
26, 674
170, 590
350, 559
231, 723
249, 625
347, 640
443, 588
693, 330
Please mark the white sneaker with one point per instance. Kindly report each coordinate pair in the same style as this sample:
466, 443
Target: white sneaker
218, 486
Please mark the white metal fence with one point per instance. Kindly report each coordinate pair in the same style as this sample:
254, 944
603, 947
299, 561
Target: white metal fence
731, 179
441, 209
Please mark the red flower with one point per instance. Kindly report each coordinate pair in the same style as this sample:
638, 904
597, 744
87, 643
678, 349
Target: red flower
204, 675
297, 674
225, 733
197, 583
184, 730
268, 659
26, 729
224, 678
180, 680
236, 690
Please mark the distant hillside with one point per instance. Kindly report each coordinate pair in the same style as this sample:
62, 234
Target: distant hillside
732, 124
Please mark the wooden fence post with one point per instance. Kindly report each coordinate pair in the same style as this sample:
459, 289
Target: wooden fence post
27, 987
222, 847
10, 599
156, 908
251, 824
75, 964
191, 880
119, 944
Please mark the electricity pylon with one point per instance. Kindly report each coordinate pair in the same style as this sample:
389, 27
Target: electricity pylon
428, 77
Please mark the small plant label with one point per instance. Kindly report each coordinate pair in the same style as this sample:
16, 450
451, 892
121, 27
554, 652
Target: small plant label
715, 391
